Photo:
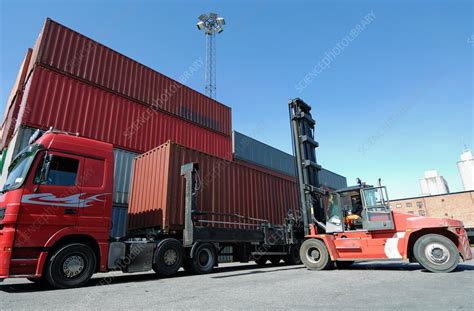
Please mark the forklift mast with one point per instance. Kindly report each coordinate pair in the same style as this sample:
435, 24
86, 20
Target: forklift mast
307, 169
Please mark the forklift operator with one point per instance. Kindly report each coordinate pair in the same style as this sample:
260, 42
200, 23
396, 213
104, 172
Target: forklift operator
354, 214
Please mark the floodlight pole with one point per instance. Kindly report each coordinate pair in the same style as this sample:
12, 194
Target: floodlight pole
210, 72
211, 25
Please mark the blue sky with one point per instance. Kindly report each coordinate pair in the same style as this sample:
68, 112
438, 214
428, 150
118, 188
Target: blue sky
396, 101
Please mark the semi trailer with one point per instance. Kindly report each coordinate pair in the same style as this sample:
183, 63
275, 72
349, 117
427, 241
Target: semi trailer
357, 224
186, 207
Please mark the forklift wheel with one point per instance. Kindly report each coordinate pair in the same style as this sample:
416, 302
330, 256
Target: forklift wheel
315, 255
436, 253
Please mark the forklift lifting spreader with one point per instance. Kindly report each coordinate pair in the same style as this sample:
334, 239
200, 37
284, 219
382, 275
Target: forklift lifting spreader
356, 223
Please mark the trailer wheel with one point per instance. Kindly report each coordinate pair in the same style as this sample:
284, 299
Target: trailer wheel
261, 261
293, 258
168, 257
436, 253
70, 266
203, 260
315, 255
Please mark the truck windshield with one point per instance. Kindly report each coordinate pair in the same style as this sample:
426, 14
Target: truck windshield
19, 168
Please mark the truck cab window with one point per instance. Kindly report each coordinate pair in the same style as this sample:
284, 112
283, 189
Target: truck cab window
62, 172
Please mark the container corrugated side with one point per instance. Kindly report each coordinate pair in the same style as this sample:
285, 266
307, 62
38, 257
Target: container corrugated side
72, 53
123, 170
251, 150
13, 103
65, 103
157, 198
248, 149
119, 225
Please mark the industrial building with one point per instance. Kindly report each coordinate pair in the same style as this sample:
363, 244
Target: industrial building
466, 170
456, 205
432, 184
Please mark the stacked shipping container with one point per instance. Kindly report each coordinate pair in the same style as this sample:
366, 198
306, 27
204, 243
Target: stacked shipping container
252, 151
75, 84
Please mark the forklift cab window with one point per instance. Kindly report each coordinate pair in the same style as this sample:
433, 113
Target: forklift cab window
376, 214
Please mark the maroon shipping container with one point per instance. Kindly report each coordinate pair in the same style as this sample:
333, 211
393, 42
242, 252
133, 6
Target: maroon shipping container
158, 190
65, 103
67, 51
13, 104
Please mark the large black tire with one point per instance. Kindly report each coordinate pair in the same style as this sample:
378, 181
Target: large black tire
204, 259
436, 253
344, 264
293, 258
70, 266
168, 257
261, 261
315, 256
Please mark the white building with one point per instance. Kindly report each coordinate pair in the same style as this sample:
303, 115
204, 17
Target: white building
466, 170
433, 184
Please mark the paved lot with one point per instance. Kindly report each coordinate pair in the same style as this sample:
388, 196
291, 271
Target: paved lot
369, 286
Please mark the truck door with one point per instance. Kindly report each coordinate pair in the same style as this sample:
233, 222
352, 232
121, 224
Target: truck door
376, 214
95, 206
50, 201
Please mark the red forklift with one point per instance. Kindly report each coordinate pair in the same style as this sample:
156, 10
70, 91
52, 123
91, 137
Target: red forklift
356, 223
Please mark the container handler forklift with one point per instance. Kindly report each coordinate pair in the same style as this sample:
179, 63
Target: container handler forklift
356, 223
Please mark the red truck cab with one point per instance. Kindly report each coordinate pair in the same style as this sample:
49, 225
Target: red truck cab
58, 192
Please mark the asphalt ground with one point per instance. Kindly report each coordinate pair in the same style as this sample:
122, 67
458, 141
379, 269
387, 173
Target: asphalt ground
364, 286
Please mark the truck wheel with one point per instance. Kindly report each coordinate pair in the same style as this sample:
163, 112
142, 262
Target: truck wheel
203, 260
436, 253
315, 255
168, 257
293, 258
261, 261
70, 266
344, 264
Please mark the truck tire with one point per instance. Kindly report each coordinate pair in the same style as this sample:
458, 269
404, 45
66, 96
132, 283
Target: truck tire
344, 264
204, 259
436, 253
315, 255
293, 258
70, 266
261, 261
168, 257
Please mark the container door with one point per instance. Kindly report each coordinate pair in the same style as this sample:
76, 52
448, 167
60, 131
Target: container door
50, 201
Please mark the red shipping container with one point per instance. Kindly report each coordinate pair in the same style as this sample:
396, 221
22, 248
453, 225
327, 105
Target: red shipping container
72, 53
158, 190
13, 103
65, 103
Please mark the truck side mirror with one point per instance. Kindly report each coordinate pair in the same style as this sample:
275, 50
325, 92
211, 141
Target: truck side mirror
44, 170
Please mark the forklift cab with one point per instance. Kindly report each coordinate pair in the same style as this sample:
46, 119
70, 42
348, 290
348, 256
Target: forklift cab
358, 208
